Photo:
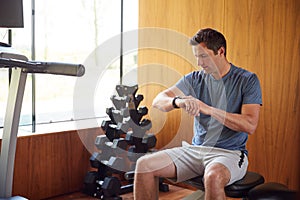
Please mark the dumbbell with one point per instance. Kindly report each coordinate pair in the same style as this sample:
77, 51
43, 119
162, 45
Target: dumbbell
110, 154
111, 187
95, 159
138, 130
119, 149
109, 165
130, 139
136, 115
104, 189
116, 147
124, 90
112, 131
109, 113
130, 91
100, 141
105, 124
129, 176
162, 186
114, 115
104, 145
141, 129
143, 110
116, 164
107, 149
117, 116
146, 123
137, 100
91, 186
128, 124
103, 170
139, 149
119, 146
120, 102
134, 153
149, 140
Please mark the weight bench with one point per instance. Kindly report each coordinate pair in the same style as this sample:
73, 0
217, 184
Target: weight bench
239, 189
272, 191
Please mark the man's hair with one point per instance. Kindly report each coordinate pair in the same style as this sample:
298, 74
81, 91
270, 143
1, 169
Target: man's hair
213, 39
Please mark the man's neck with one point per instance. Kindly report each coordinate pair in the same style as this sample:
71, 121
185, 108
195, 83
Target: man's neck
222, 71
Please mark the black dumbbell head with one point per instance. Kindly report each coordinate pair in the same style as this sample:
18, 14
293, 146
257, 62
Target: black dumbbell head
111, 187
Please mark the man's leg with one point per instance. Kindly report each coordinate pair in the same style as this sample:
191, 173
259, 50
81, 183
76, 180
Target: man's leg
148, 169
216, 177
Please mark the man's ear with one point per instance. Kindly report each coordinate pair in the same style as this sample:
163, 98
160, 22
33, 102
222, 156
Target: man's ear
221, 51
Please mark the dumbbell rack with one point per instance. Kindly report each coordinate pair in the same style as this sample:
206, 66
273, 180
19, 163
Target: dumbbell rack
126, 139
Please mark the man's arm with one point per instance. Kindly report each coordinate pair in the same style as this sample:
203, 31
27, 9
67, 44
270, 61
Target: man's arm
163, 101
247, 121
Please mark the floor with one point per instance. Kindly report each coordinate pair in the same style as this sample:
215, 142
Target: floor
175, 193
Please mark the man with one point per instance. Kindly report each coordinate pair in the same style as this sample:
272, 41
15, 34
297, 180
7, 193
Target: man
225, 101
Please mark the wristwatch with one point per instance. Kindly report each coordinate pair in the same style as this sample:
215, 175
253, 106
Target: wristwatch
173, 102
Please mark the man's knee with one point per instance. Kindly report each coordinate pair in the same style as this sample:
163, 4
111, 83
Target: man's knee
216, 174
142, 164
146, 164
160, 164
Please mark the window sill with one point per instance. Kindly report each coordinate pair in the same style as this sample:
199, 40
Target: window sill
59, 127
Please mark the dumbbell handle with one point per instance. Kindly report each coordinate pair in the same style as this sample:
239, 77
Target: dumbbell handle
129, 175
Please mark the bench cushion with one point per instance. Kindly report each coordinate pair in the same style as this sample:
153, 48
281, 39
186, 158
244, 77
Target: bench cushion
238, 189
272, 191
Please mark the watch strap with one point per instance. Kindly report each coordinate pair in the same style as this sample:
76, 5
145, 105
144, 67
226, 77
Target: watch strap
173, 102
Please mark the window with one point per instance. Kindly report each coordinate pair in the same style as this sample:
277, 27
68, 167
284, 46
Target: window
4, 93
68, 31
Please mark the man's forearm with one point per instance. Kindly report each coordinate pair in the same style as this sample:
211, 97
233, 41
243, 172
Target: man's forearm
237, 122
163, 102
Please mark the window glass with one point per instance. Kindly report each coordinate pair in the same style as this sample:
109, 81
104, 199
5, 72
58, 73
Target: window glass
69, 31
4, 94
71, 35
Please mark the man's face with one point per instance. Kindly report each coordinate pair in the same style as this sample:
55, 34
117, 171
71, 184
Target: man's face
206, 58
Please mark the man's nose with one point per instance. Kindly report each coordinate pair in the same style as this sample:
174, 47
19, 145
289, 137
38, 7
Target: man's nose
199, 61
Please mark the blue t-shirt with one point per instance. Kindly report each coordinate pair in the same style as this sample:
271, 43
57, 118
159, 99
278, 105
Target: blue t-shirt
236, 88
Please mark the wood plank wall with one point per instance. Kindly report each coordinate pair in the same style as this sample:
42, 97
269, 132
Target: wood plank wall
263, 37
47, 165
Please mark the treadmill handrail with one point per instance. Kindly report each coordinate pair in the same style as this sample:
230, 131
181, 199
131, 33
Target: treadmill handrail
57, 68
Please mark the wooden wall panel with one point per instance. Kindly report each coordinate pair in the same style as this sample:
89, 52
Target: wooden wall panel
263, 37
178, 17
48, 165
269, 46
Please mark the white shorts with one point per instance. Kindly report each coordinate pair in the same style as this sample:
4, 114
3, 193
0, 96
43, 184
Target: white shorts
191, 161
